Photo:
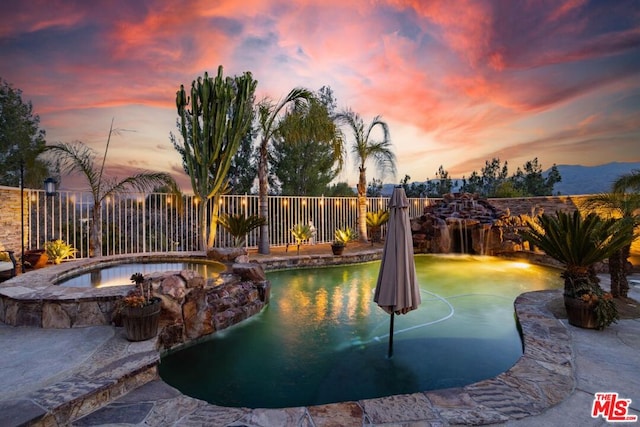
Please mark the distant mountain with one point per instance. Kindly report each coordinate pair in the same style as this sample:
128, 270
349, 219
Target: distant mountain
578, 179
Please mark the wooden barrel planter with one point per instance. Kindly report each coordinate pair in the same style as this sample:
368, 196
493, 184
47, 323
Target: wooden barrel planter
141, 323
581, 314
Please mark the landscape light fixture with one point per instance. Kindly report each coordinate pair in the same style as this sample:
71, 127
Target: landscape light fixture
50, 187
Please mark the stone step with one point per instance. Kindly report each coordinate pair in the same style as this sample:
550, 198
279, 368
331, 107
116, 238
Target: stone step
83, 392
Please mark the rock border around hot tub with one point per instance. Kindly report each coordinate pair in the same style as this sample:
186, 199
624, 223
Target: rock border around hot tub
36, 299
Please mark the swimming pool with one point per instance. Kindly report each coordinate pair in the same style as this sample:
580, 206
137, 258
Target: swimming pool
322, 339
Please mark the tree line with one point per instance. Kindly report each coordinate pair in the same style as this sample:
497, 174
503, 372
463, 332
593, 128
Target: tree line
231, 143
493, 181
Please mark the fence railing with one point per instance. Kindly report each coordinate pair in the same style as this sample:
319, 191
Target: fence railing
158, 222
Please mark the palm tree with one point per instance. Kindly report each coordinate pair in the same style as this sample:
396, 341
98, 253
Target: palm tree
578, 243
366, 149
268, 112
79, 158
625, 207
627, 182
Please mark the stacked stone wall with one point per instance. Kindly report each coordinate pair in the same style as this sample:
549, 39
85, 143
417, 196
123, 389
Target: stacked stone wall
549, 205
536, 205
10, 219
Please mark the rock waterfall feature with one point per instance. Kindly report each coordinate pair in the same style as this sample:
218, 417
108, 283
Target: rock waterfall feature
463, 223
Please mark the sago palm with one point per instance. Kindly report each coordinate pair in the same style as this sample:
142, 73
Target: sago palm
345, 235
375, 221
578, 243
239, 226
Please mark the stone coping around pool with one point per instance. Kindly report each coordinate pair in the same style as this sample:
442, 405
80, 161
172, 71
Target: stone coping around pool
284, 262
542, 377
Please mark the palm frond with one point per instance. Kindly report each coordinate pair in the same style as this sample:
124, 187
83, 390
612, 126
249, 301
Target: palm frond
576, 242
301, 232
142, 181
77, 158
377, 218
239, 226
627, 182
345, 235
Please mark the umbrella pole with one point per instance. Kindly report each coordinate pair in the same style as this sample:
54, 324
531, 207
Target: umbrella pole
391, 335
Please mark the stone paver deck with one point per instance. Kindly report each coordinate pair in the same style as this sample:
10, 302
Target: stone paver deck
107, 380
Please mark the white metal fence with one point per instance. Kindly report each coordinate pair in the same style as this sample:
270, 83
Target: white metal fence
158, 222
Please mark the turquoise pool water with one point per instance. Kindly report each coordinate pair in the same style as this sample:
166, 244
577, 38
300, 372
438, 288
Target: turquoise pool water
322, 339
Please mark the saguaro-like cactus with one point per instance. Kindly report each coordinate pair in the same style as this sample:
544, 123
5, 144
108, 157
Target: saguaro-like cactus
213, 120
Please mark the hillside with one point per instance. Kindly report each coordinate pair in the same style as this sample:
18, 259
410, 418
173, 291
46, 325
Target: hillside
578, 179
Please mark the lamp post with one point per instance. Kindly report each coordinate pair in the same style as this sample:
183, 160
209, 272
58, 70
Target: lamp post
22, 215
49, 191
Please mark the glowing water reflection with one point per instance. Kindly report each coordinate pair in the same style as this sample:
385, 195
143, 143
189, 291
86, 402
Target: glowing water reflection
322, 338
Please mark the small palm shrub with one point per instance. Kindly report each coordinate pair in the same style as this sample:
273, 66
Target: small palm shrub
375, 221
377, 218
239, 226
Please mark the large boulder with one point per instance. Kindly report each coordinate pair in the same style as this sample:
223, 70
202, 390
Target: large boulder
249, 271
225, 255
193, 307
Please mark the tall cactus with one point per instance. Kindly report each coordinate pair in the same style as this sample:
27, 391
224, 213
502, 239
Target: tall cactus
220, 113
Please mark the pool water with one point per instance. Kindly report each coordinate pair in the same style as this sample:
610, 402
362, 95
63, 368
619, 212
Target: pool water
120, 274
322, 339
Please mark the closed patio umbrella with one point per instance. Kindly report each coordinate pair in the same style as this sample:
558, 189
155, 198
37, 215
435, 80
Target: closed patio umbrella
397, 289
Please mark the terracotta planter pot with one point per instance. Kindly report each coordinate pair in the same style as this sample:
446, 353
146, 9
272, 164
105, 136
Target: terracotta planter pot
580, 313
36, 258
141, 323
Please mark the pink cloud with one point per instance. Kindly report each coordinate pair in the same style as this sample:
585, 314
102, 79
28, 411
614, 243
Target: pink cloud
18, 17
465, 74
564, 8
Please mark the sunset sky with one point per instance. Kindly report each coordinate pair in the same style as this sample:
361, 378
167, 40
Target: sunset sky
458, 82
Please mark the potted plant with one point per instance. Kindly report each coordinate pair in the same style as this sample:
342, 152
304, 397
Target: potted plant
57, 250
342, 236
579, 243
375, 221
140, 311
